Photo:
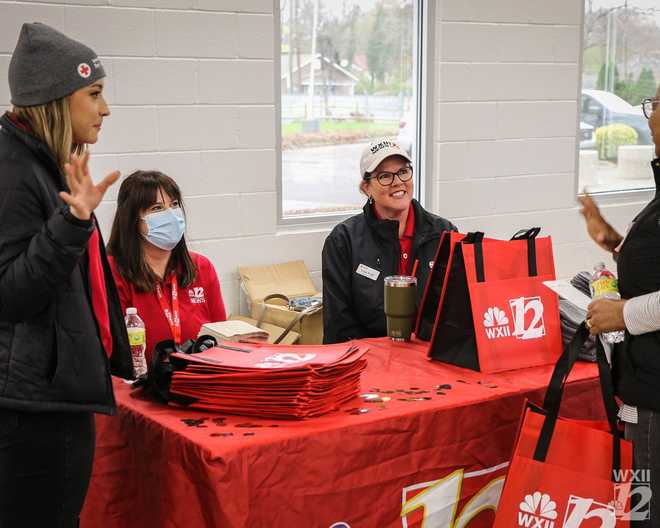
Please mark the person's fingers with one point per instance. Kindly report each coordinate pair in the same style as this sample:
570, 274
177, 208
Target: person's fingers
588, 205
107, 182
84, 164
76, 172
68, 199
71, 180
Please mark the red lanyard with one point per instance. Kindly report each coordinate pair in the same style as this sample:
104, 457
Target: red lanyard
172, 315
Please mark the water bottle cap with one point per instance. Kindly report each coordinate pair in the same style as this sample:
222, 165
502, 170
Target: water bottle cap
131, 311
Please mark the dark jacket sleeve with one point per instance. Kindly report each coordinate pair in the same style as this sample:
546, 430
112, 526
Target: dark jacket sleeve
340, 322
36, 253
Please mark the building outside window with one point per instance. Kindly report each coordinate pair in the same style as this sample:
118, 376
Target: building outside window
620, 68
348, 75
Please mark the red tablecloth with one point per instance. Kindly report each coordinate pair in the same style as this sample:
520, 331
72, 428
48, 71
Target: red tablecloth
403, 462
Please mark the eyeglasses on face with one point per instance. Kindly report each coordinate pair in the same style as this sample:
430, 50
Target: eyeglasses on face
649, 105
387, 178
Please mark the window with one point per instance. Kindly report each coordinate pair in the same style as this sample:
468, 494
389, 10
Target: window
349, 72
620, 67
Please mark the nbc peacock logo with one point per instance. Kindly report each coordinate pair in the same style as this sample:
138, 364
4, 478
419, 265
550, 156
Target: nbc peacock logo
496, 323
537, 510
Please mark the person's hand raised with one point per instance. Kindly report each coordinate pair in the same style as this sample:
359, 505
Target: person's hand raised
599, 230
84, 195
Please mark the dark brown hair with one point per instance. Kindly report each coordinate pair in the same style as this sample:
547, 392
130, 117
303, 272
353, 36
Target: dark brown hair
138, 192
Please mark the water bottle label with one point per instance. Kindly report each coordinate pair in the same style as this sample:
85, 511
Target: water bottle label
604, 286
136, 336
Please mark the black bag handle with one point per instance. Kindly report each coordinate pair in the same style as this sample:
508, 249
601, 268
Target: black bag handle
159, 376
526, 234
564, 366
554, 393
529, 235
476, 238
473, 236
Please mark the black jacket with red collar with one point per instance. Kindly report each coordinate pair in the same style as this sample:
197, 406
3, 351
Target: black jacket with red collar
357, 255
51, 356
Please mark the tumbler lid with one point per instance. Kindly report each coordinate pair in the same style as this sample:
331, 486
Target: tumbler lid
400, 281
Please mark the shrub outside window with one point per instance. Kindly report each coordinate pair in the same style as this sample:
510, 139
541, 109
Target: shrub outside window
620, 68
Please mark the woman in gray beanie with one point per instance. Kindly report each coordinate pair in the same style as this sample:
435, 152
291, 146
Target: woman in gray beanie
61, 326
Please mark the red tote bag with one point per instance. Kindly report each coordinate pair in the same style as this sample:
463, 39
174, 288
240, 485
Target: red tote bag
485, 306
568, 473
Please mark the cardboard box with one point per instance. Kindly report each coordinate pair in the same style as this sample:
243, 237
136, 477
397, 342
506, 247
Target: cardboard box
292, 280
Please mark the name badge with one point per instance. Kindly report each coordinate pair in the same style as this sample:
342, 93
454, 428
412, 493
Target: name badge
368, 272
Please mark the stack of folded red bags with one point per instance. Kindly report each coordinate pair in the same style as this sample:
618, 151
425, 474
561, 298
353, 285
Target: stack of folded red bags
270, 381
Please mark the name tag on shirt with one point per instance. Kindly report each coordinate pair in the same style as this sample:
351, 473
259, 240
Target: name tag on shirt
368, 272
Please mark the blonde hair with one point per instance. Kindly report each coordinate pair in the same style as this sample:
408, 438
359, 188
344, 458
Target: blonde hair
51, 122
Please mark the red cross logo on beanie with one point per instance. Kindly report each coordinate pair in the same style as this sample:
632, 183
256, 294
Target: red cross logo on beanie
84, 70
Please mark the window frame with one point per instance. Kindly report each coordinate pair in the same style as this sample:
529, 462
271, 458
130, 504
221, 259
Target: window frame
422, 161
612, 196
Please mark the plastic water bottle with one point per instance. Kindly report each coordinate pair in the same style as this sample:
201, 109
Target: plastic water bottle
604, 285
137, 338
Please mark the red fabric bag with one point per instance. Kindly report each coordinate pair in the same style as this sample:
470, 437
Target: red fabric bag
568, 473
485, 306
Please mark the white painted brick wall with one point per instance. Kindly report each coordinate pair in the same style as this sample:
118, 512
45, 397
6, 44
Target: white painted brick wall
191, 87
507, 80
192, 92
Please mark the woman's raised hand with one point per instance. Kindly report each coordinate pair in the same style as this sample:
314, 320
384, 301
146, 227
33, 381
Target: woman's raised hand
84, 195
599, 230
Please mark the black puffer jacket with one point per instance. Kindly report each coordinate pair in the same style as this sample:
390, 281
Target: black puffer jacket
51, 357
353, 302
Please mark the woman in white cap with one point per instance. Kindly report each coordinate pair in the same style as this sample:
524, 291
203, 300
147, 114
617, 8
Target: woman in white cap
392, 233
61, 326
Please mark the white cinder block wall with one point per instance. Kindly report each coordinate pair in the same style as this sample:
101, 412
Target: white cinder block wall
507, 82
192, 92
191, 88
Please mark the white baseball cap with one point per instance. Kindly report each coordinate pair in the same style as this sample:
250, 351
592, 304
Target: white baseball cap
377, 151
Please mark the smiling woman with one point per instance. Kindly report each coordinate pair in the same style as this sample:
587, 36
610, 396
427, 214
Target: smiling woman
61, 326
392, 233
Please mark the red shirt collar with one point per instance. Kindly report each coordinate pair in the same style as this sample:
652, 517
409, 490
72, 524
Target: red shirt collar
20, 124
409, 231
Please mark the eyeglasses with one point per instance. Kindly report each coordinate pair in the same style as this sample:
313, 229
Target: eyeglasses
649, 105
387, 178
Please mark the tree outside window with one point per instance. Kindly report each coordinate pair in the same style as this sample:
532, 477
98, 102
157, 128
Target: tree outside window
347, 76
621, 66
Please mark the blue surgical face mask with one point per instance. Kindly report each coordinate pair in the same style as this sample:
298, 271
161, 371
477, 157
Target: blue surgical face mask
165, 228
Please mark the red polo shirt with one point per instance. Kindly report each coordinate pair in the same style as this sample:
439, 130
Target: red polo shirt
405, 241
199, 303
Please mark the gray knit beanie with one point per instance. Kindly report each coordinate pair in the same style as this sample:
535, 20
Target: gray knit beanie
47, 65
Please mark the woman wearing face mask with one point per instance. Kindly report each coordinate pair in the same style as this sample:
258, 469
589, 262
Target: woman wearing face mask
174, 290
61, 328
